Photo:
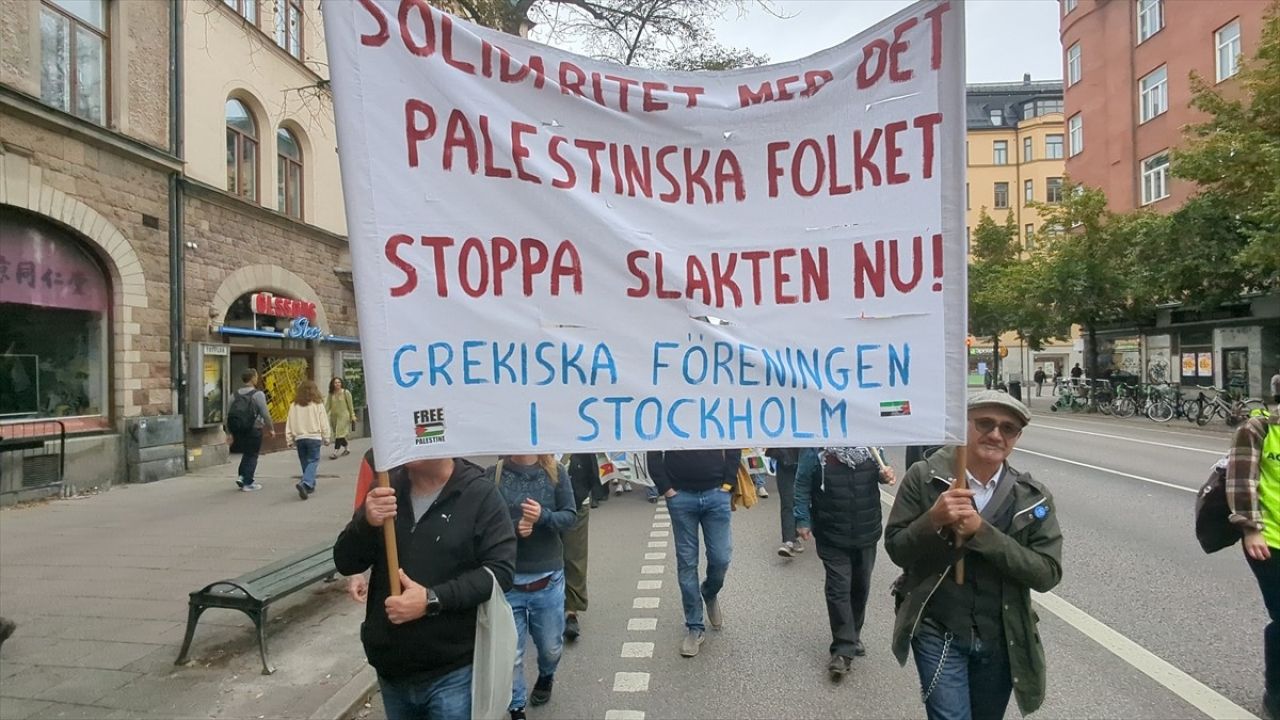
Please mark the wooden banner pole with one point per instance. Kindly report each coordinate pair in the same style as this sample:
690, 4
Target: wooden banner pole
389, 539
960, 471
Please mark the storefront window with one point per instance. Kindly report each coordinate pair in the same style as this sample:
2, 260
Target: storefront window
54, 301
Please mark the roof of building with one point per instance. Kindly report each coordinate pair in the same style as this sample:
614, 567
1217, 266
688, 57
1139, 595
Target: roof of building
1014, 101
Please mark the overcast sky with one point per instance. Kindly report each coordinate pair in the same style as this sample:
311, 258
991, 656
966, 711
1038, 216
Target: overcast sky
1005, 38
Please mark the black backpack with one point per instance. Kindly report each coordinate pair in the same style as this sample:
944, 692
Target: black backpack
241, 415
1213, 525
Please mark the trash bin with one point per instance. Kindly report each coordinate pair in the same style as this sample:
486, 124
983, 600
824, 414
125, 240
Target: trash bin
1015, 389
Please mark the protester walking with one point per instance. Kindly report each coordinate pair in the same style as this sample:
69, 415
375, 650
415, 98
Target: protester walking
785, 462
342, 415
838, 505
698, 485
584, 476
1253, 494
306, 429
974, 642
540, 500
247, 418
452, 530
1039, 378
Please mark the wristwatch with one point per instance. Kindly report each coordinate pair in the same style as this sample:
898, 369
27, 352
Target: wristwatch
433, 603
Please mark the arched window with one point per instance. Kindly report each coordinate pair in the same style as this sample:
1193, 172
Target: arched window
242, 151
54, 321
288, 174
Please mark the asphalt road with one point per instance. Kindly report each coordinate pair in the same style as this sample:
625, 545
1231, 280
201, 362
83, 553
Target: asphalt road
1144, 625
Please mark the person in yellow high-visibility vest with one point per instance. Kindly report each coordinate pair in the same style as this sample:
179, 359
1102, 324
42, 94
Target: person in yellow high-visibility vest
1253, 493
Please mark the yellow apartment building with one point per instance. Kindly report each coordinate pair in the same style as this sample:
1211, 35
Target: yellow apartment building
1016, 150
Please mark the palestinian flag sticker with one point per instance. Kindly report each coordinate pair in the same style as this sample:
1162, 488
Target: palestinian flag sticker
893, 408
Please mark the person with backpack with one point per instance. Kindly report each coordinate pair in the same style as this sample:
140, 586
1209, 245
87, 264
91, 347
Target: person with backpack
246, 419
838, 503
1253, 497
540, 500
305, 429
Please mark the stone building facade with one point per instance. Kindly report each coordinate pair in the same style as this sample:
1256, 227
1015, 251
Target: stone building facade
85, 168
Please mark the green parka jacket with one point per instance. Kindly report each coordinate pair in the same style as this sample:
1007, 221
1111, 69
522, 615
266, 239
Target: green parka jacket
1029, 557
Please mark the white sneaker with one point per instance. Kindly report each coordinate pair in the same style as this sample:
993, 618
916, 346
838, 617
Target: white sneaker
761, 492
250, 488
788, 549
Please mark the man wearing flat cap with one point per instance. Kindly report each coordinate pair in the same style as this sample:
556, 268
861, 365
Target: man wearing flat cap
975, 642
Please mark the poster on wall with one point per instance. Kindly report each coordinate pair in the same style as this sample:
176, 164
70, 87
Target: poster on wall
214, 388
556, 254
1204, 364
1188, 364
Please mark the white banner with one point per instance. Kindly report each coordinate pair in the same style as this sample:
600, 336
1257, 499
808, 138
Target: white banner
555, 254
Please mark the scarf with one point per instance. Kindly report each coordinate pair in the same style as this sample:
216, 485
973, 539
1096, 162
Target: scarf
851, 456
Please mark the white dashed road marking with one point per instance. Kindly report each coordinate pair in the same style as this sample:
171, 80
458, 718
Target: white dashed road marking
659, 533
655, 556
637, 649
657, 543
642, 624
624, 715
652, 569
645, 603
649, 585
631, 682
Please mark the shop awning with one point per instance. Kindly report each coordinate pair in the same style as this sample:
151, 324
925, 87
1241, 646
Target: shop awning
251, 332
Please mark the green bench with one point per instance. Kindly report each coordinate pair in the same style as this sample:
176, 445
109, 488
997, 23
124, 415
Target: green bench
253, 593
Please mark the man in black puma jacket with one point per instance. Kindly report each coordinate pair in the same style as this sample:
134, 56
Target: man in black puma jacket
451, 524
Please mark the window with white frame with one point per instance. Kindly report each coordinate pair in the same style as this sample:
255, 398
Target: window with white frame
1073, 64
1000, 152
288, 173
1155, 178
1153, 93
1027, 154
1150, 18
1053, 147
247, 9
997, 117
1075, 135
242, 151
1227, 41
1029, 190
1030, 233
73, 57
289, 26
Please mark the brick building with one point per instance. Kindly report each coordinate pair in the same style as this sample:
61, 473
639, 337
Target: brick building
1127, 65
86, 162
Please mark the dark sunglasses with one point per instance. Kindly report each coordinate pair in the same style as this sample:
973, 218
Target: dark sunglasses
985, 425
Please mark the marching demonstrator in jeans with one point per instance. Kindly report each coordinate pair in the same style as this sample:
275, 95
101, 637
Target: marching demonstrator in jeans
786, 460
306, 428
540, 501
698, 485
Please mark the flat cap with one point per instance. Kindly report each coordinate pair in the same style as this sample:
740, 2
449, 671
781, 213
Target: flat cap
995, 398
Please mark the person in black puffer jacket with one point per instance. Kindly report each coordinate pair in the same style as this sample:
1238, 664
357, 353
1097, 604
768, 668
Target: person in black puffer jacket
838, 503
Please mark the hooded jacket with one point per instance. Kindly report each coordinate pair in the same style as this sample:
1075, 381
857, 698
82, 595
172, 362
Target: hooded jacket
466, 530
1028, 557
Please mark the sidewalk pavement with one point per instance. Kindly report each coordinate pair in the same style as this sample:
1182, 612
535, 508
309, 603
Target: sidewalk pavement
98, 586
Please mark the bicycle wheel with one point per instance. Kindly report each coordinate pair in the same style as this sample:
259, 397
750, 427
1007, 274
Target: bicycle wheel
1191, 410
1161, 411
1207, 411
1124, 407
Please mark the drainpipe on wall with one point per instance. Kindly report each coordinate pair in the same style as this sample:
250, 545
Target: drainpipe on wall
177, 283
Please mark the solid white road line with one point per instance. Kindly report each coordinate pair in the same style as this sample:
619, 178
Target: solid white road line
1132, 440
642, 624
631, 682
1157, 429
1109, 470
1193, 691
637, 649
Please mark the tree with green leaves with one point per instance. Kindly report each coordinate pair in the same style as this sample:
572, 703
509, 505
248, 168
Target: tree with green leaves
648, 33
1087, 274
1234, 156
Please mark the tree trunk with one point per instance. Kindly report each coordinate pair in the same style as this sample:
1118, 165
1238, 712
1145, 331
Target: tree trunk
1091, 363
995, 360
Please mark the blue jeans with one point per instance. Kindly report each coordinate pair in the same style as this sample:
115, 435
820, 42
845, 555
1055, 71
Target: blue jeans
961, 678
249, 446
710, 509
447, 697
309, 457
539, 614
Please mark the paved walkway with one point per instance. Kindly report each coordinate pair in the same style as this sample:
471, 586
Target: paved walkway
98, 586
